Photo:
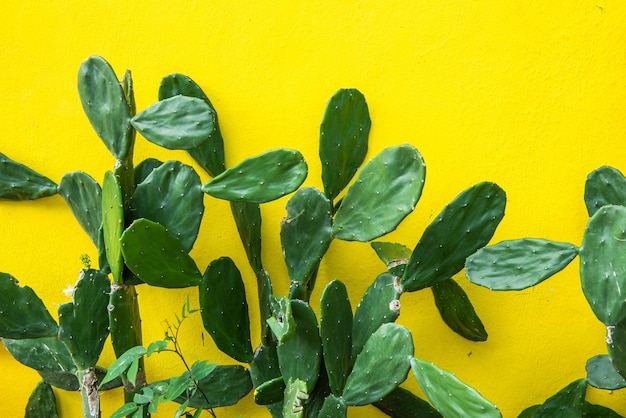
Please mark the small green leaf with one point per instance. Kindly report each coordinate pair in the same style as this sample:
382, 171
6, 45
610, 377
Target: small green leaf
201, 369
156, 347
125, 410
123, 362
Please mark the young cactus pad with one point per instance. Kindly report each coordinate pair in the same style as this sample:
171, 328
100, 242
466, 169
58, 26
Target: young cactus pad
84, 197
457, 311
385, 192
602, 261
42, 402
568, 402
344, 134
604, 186
601, 374
464, 226
113, 224
18, 182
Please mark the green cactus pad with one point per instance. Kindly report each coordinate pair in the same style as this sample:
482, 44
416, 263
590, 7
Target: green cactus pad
457, 311
42, 402
84, 197
305, 233
156, 257
385, 192
343, 139
105, 105
602, 257
47, 354
176, 123
381, 366
270, 392
296, 395
301, 356
225, 386
124, 319
336, 333
260, 179
171, 195
248, 220
113, 224
22, 314
403, 404
264, 368
210, 154
568, 402
602, 375
18, 182
395, 256
518, 264
598, 411
604, 186
378, 306
224, 309
144, 168
616, 344
83, 324
464, 226
333, 407
450, 396
281, 322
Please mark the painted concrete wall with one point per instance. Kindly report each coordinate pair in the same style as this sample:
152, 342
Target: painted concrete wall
530, 95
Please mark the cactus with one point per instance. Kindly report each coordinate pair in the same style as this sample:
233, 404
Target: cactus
569, 401
395, 256
604, 186
18, 182
42, 402
113, 224
457, 311
403, 404
84, 196
602, 375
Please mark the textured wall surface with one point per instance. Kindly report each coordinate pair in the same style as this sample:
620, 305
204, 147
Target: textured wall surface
530, 95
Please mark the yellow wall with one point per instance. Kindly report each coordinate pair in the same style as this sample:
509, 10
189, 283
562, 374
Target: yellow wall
526, 94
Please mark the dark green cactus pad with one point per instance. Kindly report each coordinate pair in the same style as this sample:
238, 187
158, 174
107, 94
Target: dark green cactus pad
305, 233
568, 402
464, 226
270, 392
224, 386
83, 324
381, 366
395, 256
156, 257
261, 178
18, 182
602, 375
385, 192
457, 311
105, 105
42, 402
333, 407
282, 322
144, 168
124, 319
248, 220
171, 195
604, 186
616, 344
113, 224
401, 403
344, 134
84, 197
378, 306
529, 412
263, 369
450, 396
518, 264
300, 357
22, 314
176, 123
602, 258
129, 92
42, 354
598, 411
210, 154
336, 333
224, 309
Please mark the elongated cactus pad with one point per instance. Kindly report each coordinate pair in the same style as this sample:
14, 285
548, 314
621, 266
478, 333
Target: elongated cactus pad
333, 407
171, 195
344, 134
457, 311
402, 403
84, 196
22, 314
42, 402
105, 105
464, 226
176, 123
124, 319
157, 257
385, 192
604, 186
616, 344
568, 402
380, 304
83, 323
602, 375
113, 224
260, 179
264, 369
300, 357
270, 392
395, 256
336, 333
381, 366
210, 154
224, 309
450, 396
18, 182
602, 261
518, 264
305, 234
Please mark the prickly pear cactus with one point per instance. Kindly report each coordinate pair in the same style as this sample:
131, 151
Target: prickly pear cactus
18, 182
84, 196
604, 186
42, 402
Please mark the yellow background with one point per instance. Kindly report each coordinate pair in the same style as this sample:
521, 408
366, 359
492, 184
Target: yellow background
528, 94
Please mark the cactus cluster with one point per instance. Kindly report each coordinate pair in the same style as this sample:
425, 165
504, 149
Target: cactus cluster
145, 218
